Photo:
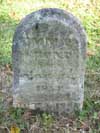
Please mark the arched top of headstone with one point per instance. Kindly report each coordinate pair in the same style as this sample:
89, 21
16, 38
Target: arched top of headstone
50, 19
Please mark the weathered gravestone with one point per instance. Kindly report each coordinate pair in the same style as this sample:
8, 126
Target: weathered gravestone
49, 50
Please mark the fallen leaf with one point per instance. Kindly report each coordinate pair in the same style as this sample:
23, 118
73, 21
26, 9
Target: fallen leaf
15, 129
27, 115
90, 53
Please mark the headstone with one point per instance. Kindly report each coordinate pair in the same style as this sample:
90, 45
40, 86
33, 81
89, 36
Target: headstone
49, 51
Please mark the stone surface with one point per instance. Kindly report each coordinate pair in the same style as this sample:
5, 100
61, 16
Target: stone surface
49, 51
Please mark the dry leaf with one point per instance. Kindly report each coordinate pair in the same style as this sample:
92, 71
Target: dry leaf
15, 129
27, 115
90, 53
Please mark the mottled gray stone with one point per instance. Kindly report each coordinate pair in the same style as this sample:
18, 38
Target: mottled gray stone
49, 51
